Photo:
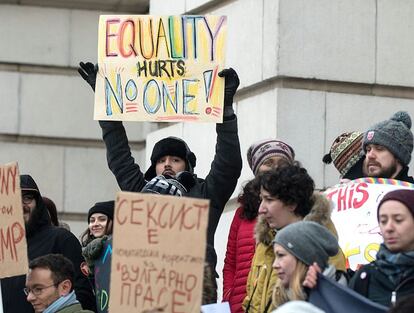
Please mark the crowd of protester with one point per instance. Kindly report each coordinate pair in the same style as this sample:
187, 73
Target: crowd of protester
281, 238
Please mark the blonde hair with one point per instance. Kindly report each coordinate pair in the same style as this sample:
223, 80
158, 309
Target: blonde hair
295, 290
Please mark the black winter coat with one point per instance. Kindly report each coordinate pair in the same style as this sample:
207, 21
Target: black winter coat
403, 176
373, 284
44, 239
218, 185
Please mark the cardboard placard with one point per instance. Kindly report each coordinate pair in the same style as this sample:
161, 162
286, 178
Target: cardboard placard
158, 253
160, 68
13, 247
355, 216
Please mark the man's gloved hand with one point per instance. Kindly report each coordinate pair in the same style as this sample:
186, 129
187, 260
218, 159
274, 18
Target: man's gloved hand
88, 72
231, 82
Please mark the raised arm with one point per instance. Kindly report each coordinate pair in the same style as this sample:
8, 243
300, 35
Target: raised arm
118, 153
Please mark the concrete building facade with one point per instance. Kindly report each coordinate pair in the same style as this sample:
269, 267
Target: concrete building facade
309, 70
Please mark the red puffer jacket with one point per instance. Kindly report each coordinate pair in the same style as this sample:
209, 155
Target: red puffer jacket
239, 254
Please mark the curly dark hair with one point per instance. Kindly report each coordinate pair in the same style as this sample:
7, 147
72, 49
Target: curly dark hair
250, 199
291, 184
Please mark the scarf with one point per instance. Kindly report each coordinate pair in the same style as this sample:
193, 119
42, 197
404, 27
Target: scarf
397, 266
62, 302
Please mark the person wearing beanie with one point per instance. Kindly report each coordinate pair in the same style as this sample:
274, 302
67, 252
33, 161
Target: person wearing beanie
347, 156
43, 238
100, 221
172, 155
391, 276
388, 146
266, 154
287, 196
262, 156
298, 246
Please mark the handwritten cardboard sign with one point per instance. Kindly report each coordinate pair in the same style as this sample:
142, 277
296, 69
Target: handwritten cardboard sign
158, 253
355, 216
160, 68
13, 247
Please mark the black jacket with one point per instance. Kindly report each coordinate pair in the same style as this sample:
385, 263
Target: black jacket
372, 283
218, 185
42, 239
403, 176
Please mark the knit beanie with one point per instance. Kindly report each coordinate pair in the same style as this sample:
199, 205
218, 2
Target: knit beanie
171, 146
308, 241
394, 134
165, 185
405, 196
106, 208
261, 150
345, 152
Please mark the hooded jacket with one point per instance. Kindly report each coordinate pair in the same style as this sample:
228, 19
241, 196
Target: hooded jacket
43, 238
218, 185
262, 278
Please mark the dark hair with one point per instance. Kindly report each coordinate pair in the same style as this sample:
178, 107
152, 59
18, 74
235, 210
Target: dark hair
51, 208
250, 199
60, 266
291, 184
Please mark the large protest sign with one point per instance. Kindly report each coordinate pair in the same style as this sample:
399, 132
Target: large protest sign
355, 216
160, 68
13, 247
158, 253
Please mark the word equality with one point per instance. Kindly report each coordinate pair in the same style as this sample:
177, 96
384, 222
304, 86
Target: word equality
150, 37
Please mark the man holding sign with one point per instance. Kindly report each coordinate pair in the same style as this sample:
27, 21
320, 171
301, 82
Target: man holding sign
172, 155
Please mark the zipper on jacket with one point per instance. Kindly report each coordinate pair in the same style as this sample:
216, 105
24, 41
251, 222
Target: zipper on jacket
394, 293
393, 297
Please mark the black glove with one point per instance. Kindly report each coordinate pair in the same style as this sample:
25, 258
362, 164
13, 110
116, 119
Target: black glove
231, 82
88, 72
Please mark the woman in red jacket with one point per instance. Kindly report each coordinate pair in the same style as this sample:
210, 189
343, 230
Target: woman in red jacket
262, 156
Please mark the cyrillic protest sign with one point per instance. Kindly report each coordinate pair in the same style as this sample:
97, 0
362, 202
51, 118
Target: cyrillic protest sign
13, 247
160, 68
158, 253
355, 216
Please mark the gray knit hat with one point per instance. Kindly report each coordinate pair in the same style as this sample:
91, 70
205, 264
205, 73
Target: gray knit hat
394, 134
308, 241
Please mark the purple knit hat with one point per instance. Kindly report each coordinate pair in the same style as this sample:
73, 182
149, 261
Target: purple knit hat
264, 149
405, 196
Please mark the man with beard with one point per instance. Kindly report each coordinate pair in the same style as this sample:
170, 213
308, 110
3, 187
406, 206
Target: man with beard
43, 238
172, 156
388, 146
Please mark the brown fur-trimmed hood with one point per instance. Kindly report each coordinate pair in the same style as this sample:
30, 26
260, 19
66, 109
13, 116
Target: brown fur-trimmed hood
320, 213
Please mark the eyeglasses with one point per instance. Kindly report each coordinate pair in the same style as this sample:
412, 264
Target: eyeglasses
37, 290
27, 199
